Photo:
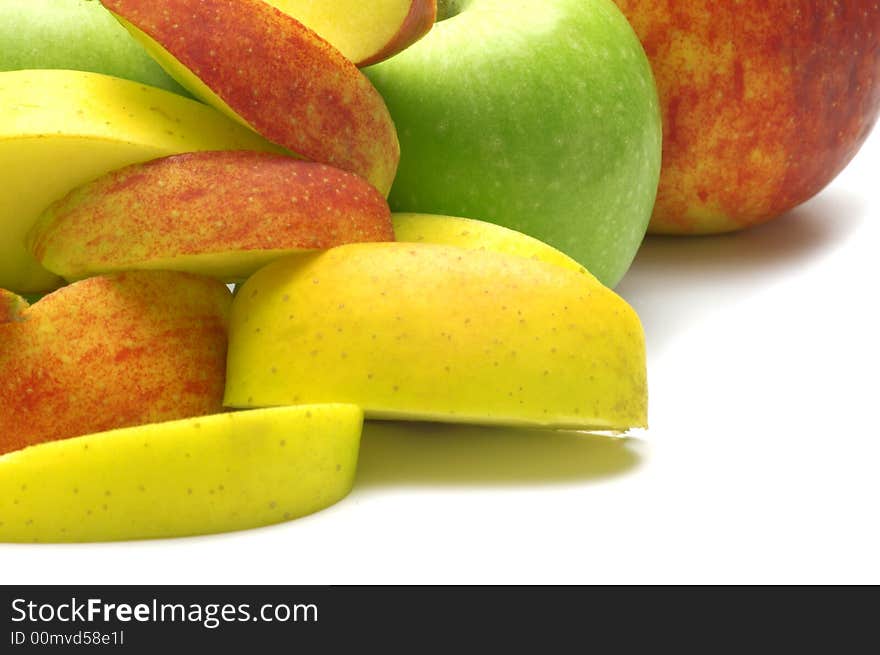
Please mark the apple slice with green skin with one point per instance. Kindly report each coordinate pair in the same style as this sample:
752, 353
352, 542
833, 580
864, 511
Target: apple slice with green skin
188, 477
365, 32
112, 351
60, 129
74, 35
273, 74
223, 214
477, 235
432, 332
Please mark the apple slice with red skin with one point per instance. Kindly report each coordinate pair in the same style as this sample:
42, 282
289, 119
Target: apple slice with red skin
273, 74
110, 352
11, 306
365, 32
222, 214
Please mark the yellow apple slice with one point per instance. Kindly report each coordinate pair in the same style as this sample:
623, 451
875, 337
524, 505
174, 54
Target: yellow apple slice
109, 352
365, 32
273, 74
431, 332
477, 235
223, 214
59, 129
189, 477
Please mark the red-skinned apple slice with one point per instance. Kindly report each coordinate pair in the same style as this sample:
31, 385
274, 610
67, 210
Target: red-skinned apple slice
223, 214
270, 72
11, 306
365, 32
111, 352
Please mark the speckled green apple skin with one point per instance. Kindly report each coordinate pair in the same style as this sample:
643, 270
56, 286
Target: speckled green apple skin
74, 35
539, 115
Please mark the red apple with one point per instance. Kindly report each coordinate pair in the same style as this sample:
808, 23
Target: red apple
763, 103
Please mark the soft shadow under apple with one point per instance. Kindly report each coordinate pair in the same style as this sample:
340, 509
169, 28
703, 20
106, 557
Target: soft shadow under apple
433, 454
675, 281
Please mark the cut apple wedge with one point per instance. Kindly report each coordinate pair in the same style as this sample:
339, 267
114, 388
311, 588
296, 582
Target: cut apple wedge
11, 306
273, 74
189, 477
431, 332
477, 235
365, 32
223, 214
109, 352
60, 129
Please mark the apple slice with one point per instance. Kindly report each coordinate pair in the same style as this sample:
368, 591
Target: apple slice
430, 332
11, 306
365, 32
223, 214
60, 129
110, 352
273, 74
477, 235
188, 477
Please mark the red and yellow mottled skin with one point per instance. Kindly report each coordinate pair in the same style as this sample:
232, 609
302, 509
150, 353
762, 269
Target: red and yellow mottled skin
112, 351
279, 77
764, 103
208, 202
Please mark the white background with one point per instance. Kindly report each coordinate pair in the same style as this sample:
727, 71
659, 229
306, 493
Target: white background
762, 463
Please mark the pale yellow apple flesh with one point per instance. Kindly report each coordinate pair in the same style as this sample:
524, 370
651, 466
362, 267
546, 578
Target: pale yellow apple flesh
222, 214
477, 235
60, 129
189, 477
109, 352
268, 71
365, 32
431, 332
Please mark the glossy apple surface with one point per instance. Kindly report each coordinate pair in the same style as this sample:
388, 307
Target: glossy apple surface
763, 103
539, 115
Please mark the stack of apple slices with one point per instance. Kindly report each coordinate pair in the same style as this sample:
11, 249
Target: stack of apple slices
114, 390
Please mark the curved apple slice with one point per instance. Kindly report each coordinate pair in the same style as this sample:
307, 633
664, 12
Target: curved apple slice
365, 32
477, 235
429, 332
112, 351
272, 74
188, 477
11, 306
222, 214
60, 129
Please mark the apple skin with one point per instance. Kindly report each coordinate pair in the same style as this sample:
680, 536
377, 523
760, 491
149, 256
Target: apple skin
763, 103
219, 213
74, 35
419, 331
365, 32
539, 115
112, 351
268, 71
192, 476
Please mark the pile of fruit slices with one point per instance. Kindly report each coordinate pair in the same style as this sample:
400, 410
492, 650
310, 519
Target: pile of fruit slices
117, 391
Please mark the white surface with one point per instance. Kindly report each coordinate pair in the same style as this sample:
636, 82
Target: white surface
762, 463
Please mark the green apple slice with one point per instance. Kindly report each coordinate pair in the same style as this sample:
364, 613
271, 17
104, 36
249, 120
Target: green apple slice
190, 477
431, 332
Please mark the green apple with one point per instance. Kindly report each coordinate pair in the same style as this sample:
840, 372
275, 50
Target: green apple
539, 115
74, 35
